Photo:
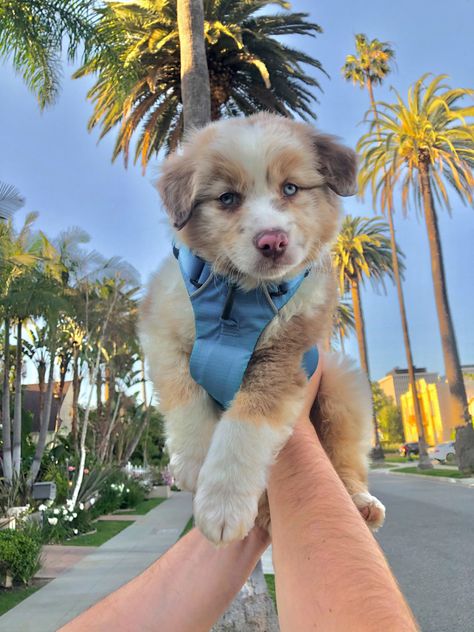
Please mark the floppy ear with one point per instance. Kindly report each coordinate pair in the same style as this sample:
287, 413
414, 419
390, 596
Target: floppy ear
177, 188
337, 163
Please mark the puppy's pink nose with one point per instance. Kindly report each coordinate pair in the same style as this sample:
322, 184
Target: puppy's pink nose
272, 243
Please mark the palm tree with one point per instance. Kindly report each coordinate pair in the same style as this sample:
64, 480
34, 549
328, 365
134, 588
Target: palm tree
10, 201
362, 250
33, 34
423, 145
369, 67
19, 253
343, 322
138, 88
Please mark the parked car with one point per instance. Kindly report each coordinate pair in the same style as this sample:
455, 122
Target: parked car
443, 453
409, 449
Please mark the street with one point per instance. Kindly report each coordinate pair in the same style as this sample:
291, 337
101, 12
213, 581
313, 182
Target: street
429, 541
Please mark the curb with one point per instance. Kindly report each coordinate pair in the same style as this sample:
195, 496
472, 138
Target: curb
467, 482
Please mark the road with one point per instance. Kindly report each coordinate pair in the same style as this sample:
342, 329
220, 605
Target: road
428, 539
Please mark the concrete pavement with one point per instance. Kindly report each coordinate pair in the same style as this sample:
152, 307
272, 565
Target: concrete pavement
428, 540
102, 571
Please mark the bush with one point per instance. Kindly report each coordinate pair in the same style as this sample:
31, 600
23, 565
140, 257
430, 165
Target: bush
57, 474
19, 554
133, 494
64, 521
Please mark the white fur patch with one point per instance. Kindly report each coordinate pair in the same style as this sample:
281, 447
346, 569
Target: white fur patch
189, 430
233, 478
374, 508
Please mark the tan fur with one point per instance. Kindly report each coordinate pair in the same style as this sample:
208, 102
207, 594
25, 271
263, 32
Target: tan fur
255, 157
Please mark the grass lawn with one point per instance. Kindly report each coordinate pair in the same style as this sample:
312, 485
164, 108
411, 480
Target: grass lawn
142, 508
106, 529
10, 597
443, 473
270, 579
393, 458
188, 527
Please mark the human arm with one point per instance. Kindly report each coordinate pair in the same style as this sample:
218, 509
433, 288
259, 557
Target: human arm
186, 590
330, 573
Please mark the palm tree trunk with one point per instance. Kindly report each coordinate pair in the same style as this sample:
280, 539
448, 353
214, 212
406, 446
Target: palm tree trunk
377, 453
360, 326
95, 371
75, 394
424, 460
459, 405
6, 421
45, 414
195, 90
17, 409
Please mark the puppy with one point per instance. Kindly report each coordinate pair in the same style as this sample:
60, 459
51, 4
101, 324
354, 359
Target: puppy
256, 199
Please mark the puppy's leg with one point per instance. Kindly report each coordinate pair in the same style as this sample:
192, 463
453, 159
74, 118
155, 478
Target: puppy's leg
245, 444
343, 419
190, 414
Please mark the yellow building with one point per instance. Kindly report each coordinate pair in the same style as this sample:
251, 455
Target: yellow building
435, 411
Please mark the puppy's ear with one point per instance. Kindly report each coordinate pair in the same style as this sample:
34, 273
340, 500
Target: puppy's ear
177, 188
337, 163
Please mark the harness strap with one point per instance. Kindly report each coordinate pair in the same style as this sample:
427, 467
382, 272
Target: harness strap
229, 323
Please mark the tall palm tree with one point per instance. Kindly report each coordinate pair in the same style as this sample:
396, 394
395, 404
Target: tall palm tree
33, 34
423, 145
362, 250
369, 67
138, 88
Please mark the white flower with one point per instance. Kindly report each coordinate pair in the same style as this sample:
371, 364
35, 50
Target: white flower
74, 515
64, 511
56, 511
42, 508
75, 531
92, 501
81, 506
53, 521
69, 504
69, 518
127, 490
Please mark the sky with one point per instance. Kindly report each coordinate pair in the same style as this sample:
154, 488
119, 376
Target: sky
67, 176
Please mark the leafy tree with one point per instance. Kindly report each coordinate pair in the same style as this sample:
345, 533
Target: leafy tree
138, 88
34, 34
369, 67
388, 415
423, 146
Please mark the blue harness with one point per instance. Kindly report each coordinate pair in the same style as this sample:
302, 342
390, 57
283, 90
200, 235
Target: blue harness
229, 322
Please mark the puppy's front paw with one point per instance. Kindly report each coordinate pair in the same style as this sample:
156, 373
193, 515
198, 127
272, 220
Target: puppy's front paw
223, 514
185, 471
371, 509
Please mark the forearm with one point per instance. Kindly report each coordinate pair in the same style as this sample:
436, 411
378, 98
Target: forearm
331, 574
186, 590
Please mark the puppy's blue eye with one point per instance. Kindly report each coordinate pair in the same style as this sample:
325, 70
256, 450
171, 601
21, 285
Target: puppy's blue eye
229, 198
290, 189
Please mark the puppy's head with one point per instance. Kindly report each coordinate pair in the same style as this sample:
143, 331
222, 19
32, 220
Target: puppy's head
257, 197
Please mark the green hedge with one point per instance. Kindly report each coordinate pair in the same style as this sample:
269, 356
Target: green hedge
19, 555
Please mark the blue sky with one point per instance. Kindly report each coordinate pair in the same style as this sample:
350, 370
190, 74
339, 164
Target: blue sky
66, 176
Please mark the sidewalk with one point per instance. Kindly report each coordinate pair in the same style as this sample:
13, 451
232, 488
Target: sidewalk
104, 570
